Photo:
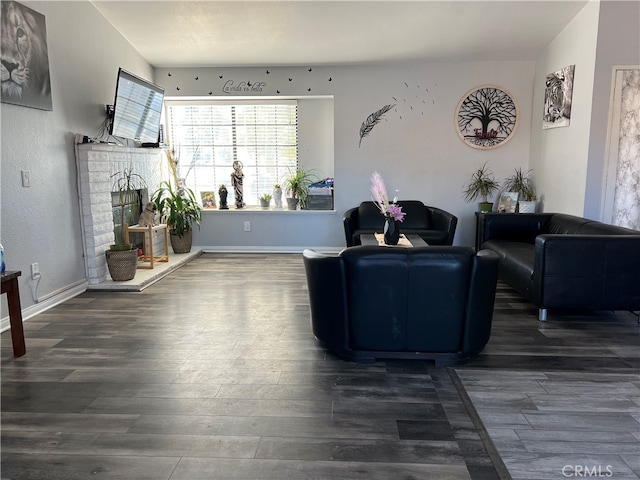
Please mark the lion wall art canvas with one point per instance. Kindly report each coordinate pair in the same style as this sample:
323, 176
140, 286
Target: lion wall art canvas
25, 59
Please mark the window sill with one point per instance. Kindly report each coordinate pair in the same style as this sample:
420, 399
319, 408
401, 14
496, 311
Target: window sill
255, 209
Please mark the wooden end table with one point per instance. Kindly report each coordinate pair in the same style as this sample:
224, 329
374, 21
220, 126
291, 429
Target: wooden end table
147, 243
10, 287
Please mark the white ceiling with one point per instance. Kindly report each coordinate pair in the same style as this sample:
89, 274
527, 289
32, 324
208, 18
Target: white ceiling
296, 32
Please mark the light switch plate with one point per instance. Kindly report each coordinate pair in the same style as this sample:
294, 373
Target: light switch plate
26, 178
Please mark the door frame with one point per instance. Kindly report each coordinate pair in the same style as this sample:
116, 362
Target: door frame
611, 149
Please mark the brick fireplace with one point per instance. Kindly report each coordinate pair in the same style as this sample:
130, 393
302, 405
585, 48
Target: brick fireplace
96, 166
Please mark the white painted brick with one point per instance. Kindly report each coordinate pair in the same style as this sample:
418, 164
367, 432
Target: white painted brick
98, 161
84, 178
101, 261
105, 239
104, 231
103, 219
99, 235
100, 187
98, 276
99, 177
97, 164
86, 208
99, 243
102, 205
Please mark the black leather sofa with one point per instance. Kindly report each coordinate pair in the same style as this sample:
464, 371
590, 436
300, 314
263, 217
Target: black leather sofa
373, 302
563, 261
435, 226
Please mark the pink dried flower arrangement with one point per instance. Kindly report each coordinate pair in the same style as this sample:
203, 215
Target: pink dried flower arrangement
390, 209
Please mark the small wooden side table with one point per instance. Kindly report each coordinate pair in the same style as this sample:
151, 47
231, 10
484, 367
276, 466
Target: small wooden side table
10, 287
147, 243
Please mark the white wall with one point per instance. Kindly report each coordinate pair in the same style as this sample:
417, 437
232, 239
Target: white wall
416, 150
570, 161
415, 147
558, 155
42, 223
618, 44
315, 135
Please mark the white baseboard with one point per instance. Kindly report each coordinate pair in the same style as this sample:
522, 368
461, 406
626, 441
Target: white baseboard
46, 304
263, 249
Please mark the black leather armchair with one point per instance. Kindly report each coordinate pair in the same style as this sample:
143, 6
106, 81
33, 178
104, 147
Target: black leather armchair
411, 303
435, 226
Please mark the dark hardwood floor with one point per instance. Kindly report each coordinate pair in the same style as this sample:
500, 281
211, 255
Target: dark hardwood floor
212, 373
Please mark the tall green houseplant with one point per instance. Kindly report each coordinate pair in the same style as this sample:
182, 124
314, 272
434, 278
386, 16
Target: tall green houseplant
180, 210
127, 184
522, 183
296, 184
481, 185
122, 259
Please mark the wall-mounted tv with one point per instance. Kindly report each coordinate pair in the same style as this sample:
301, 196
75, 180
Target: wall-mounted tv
137, 108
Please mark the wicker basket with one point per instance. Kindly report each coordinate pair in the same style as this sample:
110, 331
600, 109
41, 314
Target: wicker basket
122, 265
182, 244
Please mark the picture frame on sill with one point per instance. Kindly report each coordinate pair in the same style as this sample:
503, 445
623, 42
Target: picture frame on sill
208, 200
507, 202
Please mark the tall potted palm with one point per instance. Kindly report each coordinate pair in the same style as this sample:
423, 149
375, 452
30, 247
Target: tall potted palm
122, 258
296, 184
522, 183
180, 211
481, 185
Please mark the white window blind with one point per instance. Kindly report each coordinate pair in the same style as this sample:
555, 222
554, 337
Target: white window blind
209, 136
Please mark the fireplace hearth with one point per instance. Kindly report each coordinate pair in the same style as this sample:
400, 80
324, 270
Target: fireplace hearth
96, 165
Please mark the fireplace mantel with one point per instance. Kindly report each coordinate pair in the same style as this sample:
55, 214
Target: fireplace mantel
96, 165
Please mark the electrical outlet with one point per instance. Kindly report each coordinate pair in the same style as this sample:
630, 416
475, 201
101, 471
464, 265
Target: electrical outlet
247, 226
26, 178
35, 270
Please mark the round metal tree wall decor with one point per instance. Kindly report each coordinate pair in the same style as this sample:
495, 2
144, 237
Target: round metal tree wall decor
486, 117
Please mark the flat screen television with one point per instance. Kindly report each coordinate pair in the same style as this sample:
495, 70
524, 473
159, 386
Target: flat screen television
137, 108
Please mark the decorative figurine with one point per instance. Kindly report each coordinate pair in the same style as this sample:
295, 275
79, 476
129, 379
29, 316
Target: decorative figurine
148, 215
277, 195
222, 193
236, 181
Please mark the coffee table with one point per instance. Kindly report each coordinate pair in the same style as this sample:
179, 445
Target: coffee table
414, 239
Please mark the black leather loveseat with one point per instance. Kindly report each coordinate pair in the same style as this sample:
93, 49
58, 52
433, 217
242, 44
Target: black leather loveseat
563, 261
435, 226
373, 302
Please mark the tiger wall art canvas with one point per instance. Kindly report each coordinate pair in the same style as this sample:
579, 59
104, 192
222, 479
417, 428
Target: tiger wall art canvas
25, 59
558, 93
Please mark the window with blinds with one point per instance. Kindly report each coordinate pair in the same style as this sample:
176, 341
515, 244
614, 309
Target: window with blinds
208, 137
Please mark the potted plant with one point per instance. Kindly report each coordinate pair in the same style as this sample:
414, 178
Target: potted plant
265, 200
481, 185
296, 185
122, 258
180, 210
522, 183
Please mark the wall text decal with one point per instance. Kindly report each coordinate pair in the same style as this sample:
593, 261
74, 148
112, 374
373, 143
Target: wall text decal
231, 86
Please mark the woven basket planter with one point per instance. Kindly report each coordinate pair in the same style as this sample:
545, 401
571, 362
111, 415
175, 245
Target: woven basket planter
182, 244
122, 265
